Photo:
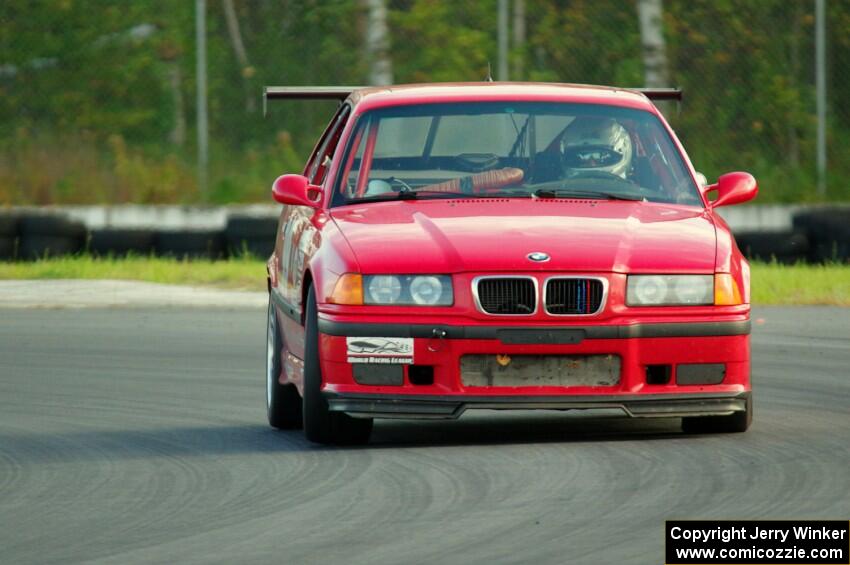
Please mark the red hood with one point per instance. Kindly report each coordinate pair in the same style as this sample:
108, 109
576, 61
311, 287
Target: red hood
481, 235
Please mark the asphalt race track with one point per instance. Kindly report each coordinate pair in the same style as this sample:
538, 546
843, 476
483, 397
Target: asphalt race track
133, 436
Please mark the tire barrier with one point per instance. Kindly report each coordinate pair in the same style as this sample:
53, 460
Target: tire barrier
196, 244
8, 237
8, 248
828, 232
784, 247
120, 242
45, 235
249, 234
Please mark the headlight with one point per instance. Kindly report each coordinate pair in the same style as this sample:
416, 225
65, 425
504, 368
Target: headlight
383, 289
657, 290
426, 290
408, 290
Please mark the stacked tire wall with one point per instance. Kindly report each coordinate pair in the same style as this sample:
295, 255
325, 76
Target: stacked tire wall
121, 242
817, 236
788, 246
828, 231
29, 237
250, 235
8, 237
43, 236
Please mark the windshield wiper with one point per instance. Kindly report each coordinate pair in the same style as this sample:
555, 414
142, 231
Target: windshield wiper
596, 195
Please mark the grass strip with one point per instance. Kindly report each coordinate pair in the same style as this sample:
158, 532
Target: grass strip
774, 283
244, 273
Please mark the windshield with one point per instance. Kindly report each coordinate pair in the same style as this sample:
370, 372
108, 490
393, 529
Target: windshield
512, 150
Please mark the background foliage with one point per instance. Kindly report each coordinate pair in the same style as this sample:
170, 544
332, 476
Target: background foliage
97, 97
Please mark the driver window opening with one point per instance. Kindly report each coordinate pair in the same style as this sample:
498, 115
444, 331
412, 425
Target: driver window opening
323, 156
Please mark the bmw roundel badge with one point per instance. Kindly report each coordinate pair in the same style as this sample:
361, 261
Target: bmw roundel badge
538, 256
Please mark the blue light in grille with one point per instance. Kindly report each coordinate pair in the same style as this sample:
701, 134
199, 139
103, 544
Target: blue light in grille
581, 299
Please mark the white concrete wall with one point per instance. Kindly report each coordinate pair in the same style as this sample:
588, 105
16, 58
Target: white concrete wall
129, 216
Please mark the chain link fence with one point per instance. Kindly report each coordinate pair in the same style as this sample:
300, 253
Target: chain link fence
98, 97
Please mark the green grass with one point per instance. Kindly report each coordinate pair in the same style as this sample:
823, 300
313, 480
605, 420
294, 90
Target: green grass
771, 283
244, 273
800, 284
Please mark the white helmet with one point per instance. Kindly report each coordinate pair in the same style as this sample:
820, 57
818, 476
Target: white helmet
596, 144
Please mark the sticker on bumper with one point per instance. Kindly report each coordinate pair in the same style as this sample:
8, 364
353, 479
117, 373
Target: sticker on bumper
388, 350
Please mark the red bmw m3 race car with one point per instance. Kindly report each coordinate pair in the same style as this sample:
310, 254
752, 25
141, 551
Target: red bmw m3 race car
503, 246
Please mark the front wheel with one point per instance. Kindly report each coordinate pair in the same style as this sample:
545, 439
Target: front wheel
320, 424
734, 423
283, 402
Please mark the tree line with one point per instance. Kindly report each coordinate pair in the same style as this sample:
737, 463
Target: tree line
97, 97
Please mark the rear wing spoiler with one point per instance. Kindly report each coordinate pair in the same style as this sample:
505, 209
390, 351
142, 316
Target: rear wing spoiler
342, 92
306, 93
660, 93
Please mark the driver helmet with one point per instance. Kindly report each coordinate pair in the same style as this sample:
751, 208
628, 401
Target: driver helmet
593, 143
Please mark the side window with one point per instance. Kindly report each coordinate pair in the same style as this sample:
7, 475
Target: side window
318, 165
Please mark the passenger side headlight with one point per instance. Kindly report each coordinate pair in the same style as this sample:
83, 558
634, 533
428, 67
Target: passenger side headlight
670, 290
408, 290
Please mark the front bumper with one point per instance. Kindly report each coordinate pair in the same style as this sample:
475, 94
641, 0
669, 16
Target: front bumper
451, 407
639, 346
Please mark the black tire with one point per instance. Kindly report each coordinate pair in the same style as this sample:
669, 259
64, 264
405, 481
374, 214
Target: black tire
249, 234
260, 247
34, 247
190, 244
118, 242
734, 423
8, 226
283, 403
50, 225
251, 226
7, 248
828, 232
320, 424
46, 235
785, 247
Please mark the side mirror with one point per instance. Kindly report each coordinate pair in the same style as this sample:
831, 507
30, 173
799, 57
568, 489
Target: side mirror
297, 190
733, 188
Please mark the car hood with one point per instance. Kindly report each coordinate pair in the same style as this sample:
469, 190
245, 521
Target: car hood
481, 235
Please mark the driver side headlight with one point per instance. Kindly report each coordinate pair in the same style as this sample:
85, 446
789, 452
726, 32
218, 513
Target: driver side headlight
670, 290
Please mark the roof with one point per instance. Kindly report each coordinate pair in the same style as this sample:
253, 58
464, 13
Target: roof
404, 94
